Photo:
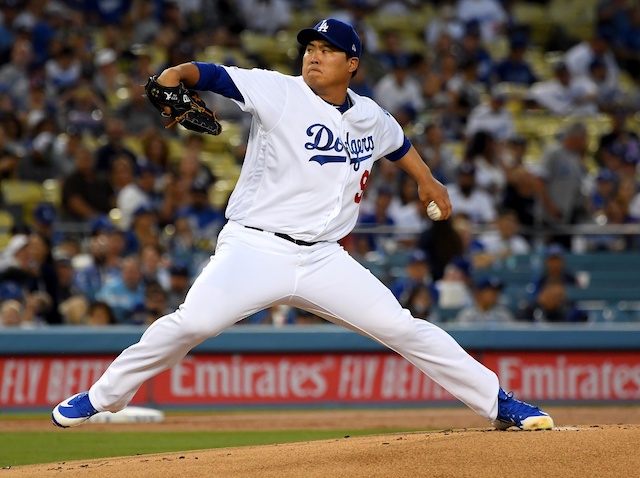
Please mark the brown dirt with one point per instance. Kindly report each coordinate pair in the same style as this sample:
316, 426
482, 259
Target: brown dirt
587, 442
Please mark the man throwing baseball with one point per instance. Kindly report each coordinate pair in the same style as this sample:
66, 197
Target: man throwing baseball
312, 145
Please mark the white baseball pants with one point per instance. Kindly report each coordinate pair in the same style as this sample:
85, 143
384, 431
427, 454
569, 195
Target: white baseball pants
252, 270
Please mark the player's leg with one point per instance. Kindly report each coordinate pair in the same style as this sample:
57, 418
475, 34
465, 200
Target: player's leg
347, 293
239, 281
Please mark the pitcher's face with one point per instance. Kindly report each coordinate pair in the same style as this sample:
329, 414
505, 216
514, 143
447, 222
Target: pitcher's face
325, 66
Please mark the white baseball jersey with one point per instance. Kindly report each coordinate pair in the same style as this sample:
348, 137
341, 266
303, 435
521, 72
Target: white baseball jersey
306, 167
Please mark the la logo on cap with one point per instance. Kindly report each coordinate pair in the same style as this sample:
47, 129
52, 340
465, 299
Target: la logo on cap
324, 27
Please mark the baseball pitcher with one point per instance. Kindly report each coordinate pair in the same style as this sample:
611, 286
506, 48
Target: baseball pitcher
312, 145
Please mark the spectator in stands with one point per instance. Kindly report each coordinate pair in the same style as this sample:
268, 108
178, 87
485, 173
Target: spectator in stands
504, 240
38, 164
445, 21
628, 41
618, 140
205, 220
84, 193
82, 109
154, 306
399, 89
608, 95
106, 79
434, 84
561, 175
11, 290
74, 310
11, 314
489, 14
465, 91
140, 193
492, 117
179, 282
42, 283
392, 50
454, 288
182, 246
378, 217
152, 265
470, 46
99, 314
565, 94
615, 213
554, 269
422, 303
552, 304
147, 22
14, 260
604, 190
579, 57
39, 106
14, 75
66, 285
408, 212
514, 68
44, 217
416, 273
192, 167
137, 114
486, 308
155, 150
125, 293
469, 199
121, 173
439, 158
114, 146
520, 192
106, 246
265, 16
63, 71
143, 230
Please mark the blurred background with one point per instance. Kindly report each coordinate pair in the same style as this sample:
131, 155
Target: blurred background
527, 111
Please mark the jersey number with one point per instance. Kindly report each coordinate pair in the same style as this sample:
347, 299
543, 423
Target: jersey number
363, 185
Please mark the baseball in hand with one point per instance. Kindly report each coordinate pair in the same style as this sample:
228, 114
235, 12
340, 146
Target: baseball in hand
434, 212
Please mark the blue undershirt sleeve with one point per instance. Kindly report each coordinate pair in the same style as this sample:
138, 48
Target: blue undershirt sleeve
215, 78
400, 152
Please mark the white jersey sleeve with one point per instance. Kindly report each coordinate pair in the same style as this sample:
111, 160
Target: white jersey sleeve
265, 93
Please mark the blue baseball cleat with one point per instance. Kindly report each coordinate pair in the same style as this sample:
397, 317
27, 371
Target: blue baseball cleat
514, 413
73, 411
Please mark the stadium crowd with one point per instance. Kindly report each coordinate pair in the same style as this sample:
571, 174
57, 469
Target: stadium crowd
134, 218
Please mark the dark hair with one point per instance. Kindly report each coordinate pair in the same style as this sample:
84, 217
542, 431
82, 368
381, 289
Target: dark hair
98, 304
478, 144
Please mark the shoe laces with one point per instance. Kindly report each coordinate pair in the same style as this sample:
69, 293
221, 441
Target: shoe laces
518, 408
83, 405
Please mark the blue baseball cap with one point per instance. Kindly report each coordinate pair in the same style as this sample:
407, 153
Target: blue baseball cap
489, 282
555, 250
102, 224
45, 213
10, 290
418, 255
336, 32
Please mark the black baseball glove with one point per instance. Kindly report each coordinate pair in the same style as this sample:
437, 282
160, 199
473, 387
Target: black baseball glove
185, 107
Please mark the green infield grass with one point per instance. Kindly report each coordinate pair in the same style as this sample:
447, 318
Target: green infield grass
31, 447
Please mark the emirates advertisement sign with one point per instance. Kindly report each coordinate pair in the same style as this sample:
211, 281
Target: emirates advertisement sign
323, 378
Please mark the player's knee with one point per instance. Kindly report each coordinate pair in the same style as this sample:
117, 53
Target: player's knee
401, 329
